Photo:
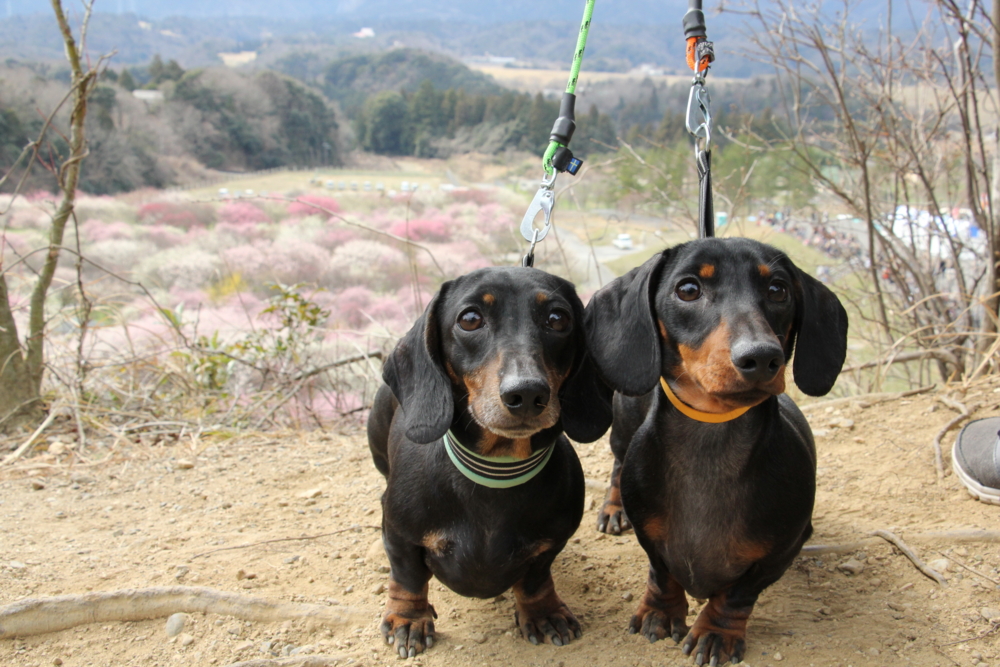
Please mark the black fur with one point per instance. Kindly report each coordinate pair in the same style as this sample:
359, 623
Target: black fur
488, 540
720, 509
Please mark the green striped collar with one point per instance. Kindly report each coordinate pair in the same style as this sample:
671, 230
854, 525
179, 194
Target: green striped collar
496, 472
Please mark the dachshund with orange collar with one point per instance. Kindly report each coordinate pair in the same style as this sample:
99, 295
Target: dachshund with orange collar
715, 467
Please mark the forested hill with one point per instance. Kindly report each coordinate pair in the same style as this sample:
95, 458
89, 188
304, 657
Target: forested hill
627, 33
352, 79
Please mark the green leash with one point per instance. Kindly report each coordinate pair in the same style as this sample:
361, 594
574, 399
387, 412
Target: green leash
557, 157
496, 472
574, 75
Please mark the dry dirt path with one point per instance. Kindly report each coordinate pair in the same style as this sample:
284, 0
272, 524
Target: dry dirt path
142, 519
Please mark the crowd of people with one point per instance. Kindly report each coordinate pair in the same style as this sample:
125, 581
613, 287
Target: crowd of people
817, 232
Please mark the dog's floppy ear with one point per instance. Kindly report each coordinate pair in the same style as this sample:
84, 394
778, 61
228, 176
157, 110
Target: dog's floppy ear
821, 330
417, 378
584, 399
621, 329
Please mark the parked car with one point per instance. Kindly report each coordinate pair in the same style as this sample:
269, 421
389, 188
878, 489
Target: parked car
623, 242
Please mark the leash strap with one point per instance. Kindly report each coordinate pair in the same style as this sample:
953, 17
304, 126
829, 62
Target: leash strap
700, 56
706, 208
565, 125
698, 415
557, 158
496, 472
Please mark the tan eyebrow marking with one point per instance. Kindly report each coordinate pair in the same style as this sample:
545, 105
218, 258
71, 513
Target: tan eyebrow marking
707, 270
765, 270
488, 299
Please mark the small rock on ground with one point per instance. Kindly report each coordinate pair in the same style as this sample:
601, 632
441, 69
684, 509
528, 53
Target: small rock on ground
175, 624
852, 567
941, 565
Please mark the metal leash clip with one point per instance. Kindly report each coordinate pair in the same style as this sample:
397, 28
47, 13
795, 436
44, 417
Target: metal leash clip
543, 202
699, 114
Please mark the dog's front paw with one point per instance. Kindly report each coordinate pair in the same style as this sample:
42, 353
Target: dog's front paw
411, 636
611, 519
718, 635
656, 624
558, 624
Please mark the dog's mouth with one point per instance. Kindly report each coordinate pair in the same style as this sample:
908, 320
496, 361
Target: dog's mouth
747, 394
743, 399
723, 392
493, 419
513, 434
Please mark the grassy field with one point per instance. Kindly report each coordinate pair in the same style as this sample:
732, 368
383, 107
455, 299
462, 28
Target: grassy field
540, 80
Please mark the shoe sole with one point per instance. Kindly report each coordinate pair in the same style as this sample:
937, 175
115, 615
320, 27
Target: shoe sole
977, 490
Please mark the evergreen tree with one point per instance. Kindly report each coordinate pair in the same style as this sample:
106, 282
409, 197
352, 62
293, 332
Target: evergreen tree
426, 111
126, 81
172, 72
541, 115
387, 124
155, 70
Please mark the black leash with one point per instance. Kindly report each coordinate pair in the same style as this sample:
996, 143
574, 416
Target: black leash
700, 56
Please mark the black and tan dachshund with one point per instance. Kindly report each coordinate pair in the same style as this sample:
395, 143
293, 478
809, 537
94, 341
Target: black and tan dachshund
483, 489
715, 467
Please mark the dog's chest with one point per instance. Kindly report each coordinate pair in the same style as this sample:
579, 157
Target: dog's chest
479, 561
695, 507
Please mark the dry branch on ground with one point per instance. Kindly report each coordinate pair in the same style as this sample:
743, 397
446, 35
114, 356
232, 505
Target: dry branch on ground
44, 615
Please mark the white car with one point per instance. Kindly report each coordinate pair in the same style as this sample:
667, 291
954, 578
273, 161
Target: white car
623, 242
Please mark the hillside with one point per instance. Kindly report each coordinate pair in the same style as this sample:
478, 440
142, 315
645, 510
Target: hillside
205, 119
634, 12
626, 34
352, 80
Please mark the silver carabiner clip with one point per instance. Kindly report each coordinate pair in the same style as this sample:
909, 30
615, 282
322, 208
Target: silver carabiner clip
543, 202
699, 114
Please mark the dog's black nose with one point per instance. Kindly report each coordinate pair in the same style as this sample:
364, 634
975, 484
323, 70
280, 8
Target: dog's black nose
756, 361
525, 397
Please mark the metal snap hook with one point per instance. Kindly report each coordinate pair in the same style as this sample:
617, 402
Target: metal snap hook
543, 202
699, 114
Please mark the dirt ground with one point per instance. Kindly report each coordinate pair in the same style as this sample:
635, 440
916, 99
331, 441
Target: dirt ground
147, 515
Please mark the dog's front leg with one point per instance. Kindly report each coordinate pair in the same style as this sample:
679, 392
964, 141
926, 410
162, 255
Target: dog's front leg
409, 616
611, 519
663, 610
540, 612
719, 633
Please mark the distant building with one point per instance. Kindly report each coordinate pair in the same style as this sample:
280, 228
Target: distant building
364, 33
148, 96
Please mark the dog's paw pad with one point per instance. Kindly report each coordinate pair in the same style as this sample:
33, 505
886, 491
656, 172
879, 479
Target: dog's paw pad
409, 636
612, 520
558, 626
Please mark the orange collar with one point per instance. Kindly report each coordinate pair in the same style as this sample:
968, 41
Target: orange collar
698, 415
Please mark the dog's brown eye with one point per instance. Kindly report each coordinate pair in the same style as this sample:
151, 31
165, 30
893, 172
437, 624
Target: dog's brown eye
688, 290
470, 320
777, 292
558, 321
